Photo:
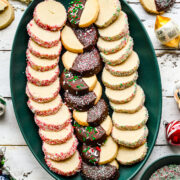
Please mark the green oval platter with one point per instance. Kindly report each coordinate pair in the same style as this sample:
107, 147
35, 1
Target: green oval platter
149, 79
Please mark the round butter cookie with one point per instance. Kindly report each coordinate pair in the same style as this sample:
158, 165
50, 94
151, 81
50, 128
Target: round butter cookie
121, 96
130, 138
94, 116
157, 6
133, 121
43, 94
45, 109
50, 15
41, 36
86, 64
93, 135
100, 154
54, 122
118, 83
83, 13
6, 16
39, 78
40, 64
129, 156
120, 56
110, 47
56, 137
84, 102
109, 12
126, 68
116, 30
59, 152
77, 85
132, 106
68, 167
78, 40
42, 52
104, 172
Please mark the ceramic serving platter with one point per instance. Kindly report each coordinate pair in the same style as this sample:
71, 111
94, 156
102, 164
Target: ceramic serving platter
149, 79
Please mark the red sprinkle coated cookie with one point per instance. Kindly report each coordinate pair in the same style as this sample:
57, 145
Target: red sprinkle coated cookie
55, 122
46, 108
57, 137
40, 64
43, 37
55, 12
42, 78
42, 52
57, 152
60, 167
43, 94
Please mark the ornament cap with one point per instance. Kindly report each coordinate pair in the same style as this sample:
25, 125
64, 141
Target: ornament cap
161, 21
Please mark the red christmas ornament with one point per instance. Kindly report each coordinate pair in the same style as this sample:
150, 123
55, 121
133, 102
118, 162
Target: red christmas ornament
173, 133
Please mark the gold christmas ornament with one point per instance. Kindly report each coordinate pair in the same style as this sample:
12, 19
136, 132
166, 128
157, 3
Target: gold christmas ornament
167, 31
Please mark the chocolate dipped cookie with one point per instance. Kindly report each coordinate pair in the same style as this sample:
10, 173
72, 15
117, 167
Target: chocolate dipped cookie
83, 13
86, 64
104, 172
99, 155
94, 116
93, 135
157, 6
77, 85
79, 40
84, 102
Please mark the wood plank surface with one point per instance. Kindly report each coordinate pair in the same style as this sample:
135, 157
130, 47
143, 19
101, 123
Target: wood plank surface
20, 160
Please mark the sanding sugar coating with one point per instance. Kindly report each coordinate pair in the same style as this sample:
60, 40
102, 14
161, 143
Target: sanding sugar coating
83, 13
90, 135
74, 84
94, 116
60, 167
40, 64
80, 103
86, 64
163, 5
105, 172
50, 15
43, 94
79, 40
171, 171
84, 102
41, 36
75, 11
87, 36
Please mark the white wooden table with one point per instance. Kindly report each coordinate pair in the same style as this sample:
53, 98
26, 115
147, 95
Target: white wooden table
20, 160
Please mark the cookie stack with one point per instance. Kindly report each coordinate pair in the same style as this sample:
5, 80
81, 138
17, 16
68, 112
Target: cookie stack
43, 86
119, 76
83, 92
